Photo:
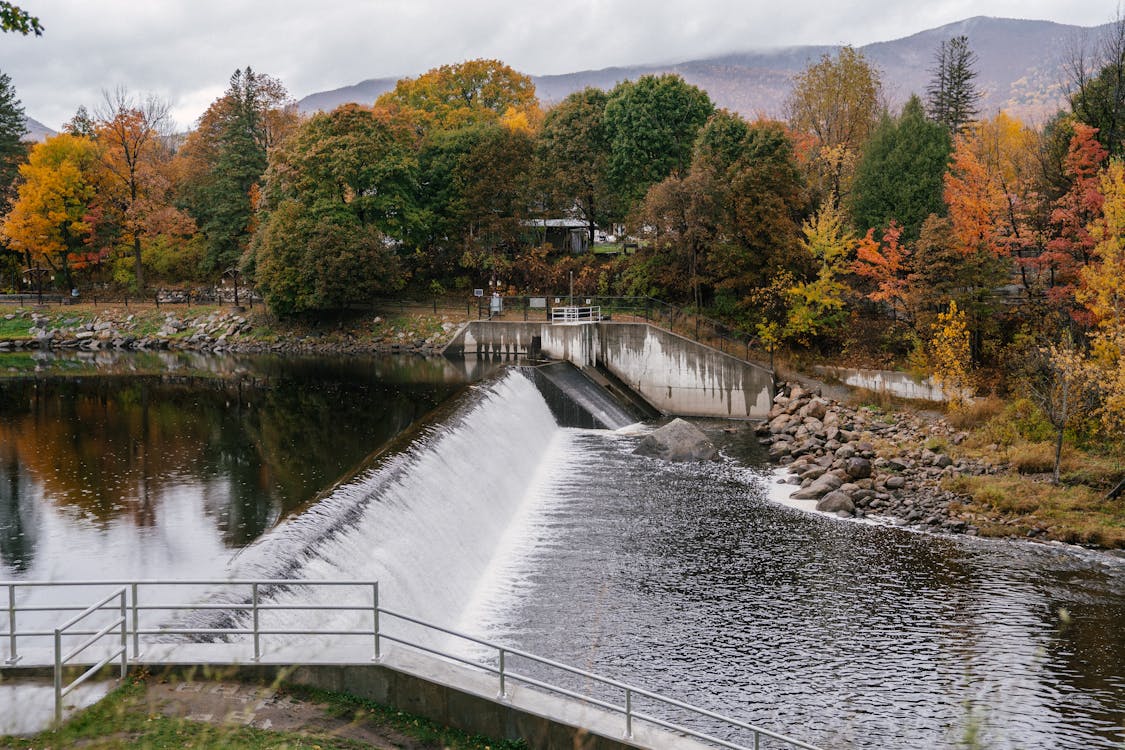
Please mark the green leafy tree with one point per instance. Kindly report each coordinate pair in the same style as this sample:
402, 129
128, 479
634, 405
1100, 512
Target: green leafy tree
765, 199
573, 152
652, 124
900, 175
225, 157
339, 196
952, 97
1096, 82
15, 18
13, 152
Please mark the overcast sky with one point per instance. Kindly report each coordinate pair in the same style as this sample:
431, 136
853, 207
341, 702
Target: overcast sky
185, 50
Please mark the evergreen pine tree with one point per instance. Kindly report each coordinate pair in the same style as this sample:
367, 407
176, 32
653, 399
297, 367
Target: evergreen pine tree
13, 127
899, 177
952, 98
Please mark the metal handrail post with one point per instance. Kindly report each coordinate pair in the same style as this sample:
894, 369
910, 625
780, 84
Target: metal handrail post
136, 622
257, 635
503, 686
124, 638
375, 617
757, 741
58, 676
12, 656
628, 712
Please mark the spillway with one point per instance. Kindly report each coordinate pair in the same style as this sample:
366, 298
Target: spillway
497, 520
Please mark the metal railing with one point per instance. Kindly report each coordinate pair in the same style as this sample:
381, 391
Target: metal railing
576, 314
125, 603
61, 660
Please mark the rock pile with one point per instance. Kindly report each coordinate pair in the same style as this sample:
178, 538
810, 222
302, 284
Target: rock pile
217, 331
862, 462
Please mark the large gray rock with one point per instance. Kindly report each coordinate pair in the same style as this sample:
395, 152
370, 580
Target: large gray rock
819, 488
836, 501
858, 468
678, 441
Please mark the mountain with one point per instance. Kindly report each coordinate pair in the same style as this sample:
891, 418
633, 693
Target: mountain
36, 131
1019, 69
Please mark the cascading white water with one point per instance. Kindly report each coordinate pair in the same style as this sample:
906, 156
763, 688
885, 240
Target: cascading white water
427, 522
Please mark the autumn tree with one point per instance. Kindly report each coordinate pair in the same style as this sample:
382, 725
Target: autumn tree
887, 266
49, 218
900, 175
1008, 151
471, 92
764, 198
950, 352
817, 306
1103, 294
651, 124
952, 97
1071, 247
130, 133
682, 218
225, 156
81, 124
573, 150
838, 101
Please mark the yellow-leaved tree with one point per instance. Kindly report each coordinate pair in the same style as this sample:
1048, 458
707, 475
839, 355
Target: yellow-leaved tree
817, 306
49, 219
1103, 293
950, 353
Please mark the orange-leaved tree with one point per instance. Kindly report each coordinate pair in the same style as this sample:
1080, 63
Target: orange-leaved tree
887, 266
1071, 249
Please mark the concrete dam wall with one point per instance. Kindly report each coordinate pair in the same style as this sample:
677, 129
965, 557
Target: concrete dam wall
674, 374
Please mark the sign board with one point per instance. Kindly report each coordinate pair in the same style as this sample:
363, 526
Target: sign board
537, 302
478, 292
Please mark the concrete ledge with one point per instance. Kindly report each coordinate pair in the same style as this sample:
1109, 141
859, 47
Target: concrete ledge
444, 691
674, 374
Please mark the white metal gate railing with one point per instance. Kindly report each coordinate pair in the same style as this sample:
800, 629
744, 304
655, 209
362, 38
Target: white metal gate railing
124, 602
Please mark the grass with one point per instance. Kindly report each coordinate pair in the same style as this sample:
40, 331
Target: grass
127, 720
1010, 504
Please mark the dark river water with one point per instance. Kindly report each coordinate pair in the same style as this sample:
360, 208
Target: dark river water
683, 579
166, 465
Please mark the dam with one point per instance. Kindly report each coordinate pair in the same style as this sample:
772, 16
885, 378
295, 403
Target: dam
515, 510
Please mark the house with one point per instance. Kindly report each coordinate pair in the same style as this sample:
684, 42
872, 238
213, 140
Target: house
567, 235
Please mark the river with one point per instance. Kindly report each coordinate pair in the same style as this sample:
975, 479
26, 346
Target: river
477, 510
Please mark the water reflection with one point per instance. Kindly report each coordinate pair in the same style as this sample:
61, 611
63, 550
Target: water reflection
175, 448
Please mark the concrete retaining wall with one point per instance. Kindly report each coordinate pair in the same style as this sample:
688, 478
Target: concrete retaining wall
674, 374
447, 693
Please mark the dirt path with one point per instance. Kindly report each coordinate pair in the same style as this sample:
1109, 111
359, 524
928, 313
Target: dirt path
266, 707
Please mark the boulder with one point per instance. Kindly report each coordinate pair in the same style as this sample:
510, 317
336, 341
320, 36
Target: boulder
816, 409
678, 441
858, 468
819, 488
836, 501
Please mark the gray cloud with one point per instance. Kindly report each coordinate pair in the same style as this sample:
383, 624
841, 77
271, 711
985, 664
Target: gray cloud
185, 51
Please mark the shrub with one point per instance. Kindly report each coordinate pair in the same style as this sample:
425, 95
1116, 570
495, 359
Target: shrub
1033, 458
973, 413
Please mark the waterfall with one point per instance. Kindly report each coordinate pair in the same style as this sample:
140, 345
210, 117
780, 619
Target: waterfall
426, 522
